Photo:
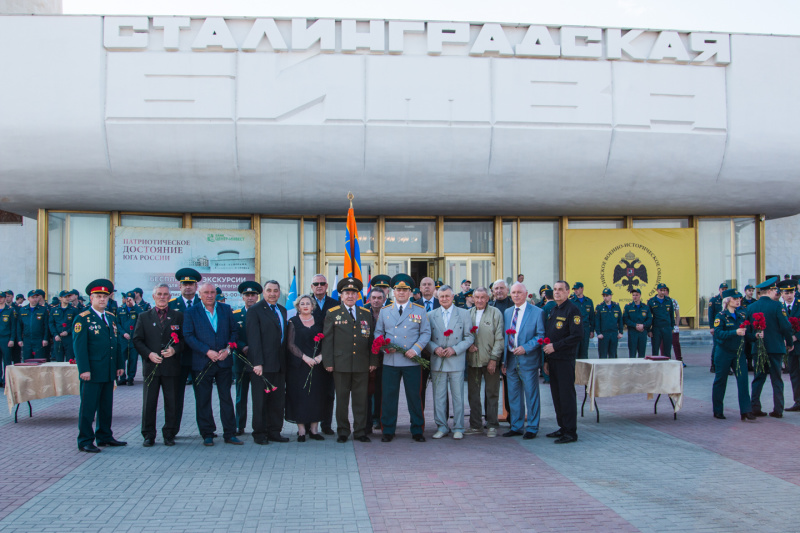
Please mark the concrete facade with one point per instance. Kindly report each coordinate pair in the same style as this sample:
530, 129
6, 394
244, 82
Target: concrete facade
28, 7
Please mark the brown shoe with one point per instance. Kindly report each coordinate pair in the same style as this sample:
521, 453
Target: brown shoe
759, 412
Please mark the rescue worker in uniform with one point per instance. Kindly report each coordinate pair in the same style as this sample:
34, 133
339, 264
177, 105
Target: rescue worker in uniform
586, 306
8, 332
61, 318
33, 330
663, 320
251, 292
639, 319
714, 308
748, 344
127, 315
608, 325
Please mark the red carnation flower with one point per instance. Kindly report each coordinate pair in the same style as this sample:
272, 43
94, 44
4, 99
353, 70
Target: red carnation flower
64, 325
541, 342
448, 332
131, 328
547, 340
174, 337
473, 329
386, 342
511, 331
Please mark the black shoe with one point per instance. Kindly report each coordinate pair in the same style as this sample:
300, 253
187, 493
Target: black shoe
529, 435
555, 434
368, 431
208, 441
328, 431
776, 414
169, 441
239, 432
148, 442
564, 439
363, 438
262, 442
759, 412
315, 436
418, 437
234, 440
341, 438
112, 442
713, 369
278, 438
719, 415
748, 417
130, 383
387, 438
301, 438
794, 408
215, 435
512, 433
89, 448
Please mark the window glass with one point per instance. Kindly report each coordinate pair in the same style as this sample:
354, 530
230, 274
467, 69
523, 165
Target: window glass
595, 224
334, 236
280, 252
660, 223
745, 241
510, 251
147, 221
538, 253
220, 223
714, 260
469, 237
78, 250
412, 237
310, 235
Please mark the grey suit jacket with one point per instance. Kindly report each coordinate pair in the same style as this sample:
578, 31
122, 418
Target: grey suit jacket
411, 330
460, 340
489, 338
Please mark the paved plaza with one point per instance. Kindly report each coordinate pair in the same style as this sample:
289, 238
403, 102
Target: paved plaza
634, 471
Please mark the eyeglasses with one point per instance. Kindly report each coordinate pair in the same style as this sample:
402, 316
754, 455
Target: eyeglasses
319, 283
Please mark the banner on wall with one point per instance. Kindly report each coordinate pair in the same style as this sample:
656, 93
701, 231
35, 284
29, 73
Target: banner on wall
145, 257
624, 259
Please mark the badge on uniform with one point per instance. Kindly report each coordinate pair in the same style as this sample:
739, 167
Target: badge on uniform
716, 323
644, 313
364, 328
559, 324
175, 328
616, 315
78, 327
5, 319
576, 319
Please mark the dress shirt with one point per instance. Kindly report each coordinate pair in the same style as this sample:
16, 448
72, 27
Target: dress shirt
520, 314
102, 317
212, 316
428, 304
478, 315
446, 316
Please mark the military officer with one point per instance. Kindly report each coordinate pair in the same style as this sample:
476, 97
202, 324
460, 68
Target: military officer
96, 345
406, 324
663, 320
460, 299
792, 307
74, 300
143, 304
127, 315
776, 337
251, 292
33, 331
729, 333
542, 289
61, 318
112, 304
586, 307
8, 326
188, 278
382, 282
16, 351
346, 351
639, 319
748, 344
608, 325
714, 308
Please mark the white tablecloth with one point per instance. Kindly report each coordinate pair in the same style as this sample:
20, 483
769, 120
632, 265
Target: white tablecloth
26, 383
614, 377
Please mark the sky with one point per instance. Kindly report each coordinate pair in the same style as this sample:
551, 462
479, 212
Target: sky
781, 17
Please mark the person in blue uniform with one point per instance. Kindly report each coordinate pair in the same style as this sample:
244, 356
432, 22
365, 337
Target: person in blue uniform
663, 320
127, 315
792, 307
188, 278
251, 292
138, 297
586, 306
608, 326
638, 318
776, 337
96, 346
729, 336
8, 326
33, 330
542, 301
748, 344
61, 318
714, 308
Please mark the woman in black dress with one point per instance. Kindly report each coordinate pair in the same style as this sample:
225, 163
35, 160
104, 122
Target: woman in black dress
305, 398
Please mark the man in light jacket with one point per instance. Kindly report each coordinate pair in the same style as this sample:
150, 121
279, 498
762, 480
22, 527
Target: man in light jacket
483, 362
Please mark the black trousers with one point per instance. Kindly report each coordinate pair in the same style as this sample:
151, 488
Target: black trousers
663, 334
96, 399
180, 394
150, 406
268, 408
327, 416
562, 387
351, 385
202, 397
242, 379
62, 349
374, 400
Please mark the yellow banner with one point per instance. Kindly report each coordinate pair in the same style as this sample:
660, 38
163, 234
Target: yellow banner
623, 259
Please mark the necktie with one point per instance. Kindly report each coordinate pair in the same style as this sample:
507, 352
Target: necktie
352, 313
511, 341
275, 310
428, 305
400, 310
104, 320
446, 318
188, 303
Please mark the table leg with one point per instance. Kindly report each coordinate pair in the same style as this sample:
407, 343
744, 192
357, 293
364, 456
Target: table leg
30, 411
597, 410
585, 393
15, 413
655, 405
674, 413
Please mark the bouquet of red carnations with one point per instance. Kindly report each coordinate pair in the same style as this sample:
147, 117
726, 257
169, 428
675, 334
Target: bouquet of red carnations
759, 324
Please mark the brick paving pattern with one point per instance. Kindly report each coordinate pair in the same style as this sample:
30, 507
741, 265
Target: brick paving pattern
634, 471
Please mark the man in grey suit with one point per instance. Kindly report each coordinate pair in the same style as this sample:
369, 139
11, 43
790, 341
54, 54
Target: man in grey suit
483, 362
450, 338
405, 324
523, 358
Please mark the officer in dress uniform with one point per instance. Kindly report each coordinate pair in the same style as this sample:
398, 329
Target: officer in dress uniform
586, 307
776, 337
406, 324
250, 291
143, 304
639, 319
8, 333
608, 325
714, 308
33, 330
127, 315
792, 307
663, 320
61, 318
542, 289
16, 351
729, 334
347, 352
188, 278
96, 345
384, 283
748, 344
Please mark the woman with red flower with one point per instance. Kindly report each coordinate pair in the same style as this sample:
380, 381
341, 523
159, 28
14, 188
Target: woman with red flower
307, 383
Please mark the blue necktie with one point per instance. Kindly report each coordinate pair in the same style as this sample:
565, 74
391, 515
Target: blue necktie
428, 305
280, 321
514, 327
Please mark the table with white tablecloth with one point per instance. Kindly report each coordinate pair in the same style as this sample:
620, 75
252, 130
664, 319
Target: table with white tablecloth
26, 383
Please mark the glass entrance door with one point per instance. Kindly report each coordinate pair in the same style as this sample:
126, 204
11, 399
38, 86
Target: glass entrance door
479, 270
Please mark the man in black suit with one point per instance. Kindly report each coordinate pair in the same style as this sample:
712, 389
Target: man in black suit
188, 278
208, 330
323, 302
266, 338
428, 289
152, 337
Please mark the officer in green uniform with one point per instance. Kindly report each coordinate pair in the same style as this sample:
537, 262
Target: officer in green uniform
382, 282
792, 307
663, 320
729, 334
112, 304
639, 319
540, 304
608, 325
61, 318
16, 350
8, 333
586, 307
714, 308
127, 315
138, 296
96, 345
748, 344
776, 337
188, 278
250, 291
347, 352
33, 330
460, 299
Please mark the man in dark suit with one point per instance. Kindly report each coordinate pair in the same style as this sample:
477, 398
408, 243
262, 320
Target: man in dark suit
792, 306
188, 278
427, 287
251, 292
161, 364
323, 302
208, 330
266, 338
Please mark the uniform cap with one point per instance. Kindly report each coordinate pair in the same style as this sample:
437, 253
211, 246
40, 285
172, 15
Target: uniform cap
349, 284
220, 298
439, 283
250, 286
62, 294
188, 275
731, 293
100, 286
788, 285
381, 280
31, 293
607, 291
138, 291
662, 286
463, 281
636, 289
577, 285
771, 283
40, 292
748, 286
403, 281
469, 292
723, 285
545, 288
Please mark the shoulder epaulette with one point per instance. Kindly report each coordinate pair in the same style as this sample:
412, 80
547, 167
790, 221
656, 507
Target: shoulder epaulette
85, 313
365, 310
174, 299
334, 308
418, 305
237, 311
110, 313
387, 305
